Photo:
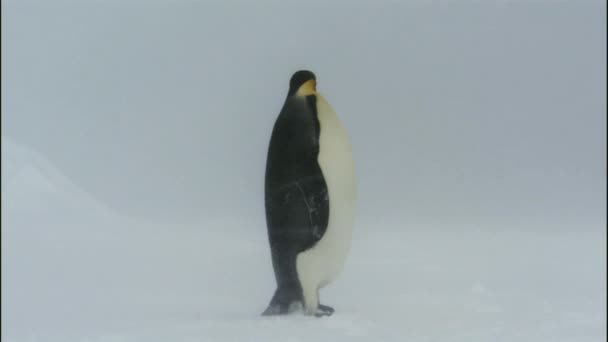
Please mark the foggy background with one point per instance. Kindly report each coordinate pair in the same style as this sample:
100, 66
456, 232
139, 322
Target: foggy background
134, 140
488, 113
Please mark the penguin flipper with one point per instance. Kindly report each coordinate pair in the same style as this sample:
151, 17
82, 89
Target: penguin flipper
314, 196
298, 213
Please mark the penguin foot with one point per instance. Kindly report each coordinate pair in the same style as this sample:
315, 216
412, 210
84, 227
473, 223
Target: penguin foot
274, 310
282, 309
284, 301
324, 310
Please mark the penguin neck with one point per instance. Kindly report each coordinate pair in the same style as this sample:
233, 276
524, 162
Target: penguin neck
310, 98
306, 89
305, 92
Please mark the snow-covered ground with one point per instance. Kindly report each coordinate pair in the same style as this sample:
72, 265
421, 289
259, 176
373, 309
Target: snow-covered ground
74, 271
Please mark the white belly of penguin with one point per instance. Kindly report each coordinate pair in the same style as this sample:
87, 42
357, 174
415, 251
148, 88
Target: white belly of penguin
325, 260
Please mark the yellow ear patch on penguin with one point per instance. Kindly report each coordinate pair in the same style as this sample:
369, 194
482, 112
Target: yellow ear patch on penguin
308, 88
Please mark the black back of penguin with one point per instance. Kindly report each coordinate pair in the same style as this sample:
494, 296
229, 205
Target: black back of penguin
296, 195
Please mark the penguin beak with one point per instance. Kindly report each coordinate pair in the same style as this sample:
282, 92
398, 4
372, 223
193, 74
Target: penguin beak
308, 88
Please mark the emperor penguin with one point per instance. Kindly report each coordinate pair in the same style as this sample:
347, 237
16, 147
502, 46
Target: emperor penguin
310, 197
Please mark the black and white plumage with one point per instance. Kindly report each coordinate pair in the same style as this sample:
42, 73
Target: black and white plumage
310, 194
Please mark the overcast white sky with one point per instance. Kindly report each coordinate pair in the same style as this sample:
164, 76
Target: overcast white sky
466, 112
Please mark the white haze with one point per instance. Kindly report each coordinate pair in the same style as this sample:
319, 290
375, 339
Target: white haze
134, 137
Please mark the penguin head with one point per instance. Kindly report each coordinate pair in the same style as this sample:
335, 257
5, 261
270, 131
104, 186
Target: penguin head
302, 83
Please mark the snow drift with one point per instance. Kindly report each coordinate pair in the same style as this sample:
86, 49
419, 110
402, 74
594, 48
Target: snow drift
74, 271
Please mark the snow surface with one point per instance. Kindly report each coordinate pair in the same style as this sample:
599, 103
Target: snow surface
74, 271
